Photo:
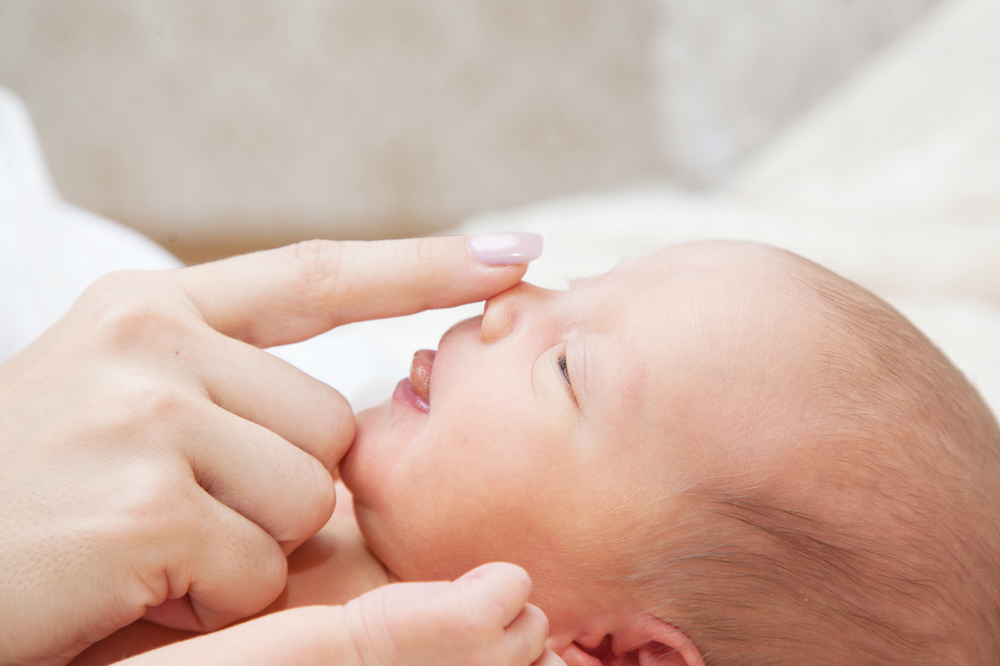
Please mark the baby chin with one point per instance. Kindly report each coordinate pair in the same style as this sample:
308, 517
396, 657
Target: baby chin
368, 472
382, 438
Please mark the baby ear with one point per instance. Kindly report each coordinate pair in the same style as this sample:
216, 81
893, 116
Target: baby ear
657, 643
642, 640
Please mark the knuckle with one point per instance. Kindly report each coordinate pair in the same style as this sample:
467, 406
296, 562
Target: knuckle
326, 495
318, 266
153, 504
127, 322
338, 428
317, 497
143, 403
425, 251
113, 284
142, 587
427, 264
273, 569
327, 425
245, 552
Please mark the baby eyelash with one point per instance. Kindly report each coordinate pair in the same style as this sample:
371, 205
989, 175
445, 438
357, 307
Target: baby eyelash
563, 367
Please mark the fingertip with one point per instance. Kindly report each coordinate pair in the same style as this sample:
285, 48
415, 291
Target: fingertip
505, 248
501, 573
484, 272
529, 630
549, 658
334, 428
320, 500
499, 588
535, 614
242, 552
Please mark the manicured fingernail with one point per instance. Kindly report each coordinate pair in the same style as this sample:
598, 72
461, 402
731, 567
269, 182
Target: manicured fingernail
504, 249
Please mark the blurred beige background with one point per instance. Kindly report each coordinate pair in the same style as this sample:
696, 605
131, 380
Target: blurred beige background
223, 126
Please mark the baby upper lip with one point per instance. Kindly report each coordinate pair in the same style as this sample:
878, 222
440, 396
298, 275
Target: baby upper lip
420, 373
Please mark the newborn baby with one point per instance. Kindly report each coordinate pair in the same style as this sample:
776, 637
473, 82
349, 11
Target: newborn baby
718, 454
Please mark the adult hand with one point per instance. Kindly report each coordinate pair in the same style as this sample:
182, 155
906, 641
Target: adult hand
154, 461
481, 619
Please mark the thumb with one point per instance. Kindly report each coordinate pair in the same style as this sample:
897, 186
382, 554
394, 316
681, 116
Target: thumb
295, 292
503, 588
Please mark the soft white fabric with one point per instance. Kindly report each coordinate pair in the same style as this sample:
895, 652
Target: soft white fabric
50, 251
913, 137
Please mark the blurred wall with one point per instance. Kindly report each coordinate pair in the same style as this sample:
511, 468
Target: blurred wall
731, 74
225, 125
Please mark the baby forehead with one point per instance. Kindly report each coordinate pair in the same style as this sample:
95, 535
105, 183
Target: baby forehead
718, 256
720, 279
713, 270
712, 301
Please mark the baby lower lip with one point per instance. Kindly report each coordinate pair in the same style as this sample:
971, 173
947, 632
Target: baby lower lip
420, 374
405, 394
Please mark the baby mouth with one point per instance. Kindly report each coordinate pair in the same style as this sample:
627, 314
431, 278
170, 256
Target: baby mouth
420, 374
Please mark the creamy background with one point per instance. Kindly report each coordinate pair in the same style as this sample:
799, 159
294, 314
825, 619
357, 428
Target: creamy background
222, 126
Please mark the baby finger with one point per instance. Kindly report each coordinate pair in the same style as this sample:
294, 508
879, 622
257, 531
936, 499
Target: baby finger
498, 590
549, 658
524, 640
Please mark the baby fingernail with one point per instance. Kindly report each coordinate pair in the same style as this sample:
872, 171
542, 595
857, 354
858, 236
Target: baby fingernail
504, 249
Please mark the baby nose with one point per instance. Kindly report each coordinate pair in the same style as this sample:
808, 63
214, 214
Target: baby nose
506, 311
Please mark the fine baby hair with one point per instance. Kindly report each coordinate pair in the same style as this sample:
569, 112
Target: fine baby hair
871, 534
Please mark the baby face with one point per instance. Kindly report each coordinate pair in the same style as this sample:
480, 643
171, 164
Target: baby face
561, 423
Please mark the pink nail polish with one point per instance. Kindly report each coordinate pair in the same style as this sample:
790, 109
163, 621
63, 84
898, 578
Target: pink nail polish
506, 248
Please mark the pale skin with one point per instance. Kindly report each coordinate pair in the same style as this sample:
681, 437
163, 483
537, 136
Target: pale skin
563, 426
158, 464
560, 424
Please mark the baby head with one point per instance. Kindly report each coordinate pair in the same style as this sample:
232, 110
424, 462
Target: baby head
721, 453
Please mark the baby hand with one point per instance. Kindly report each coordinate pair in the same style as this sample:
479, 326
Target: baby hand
481, 619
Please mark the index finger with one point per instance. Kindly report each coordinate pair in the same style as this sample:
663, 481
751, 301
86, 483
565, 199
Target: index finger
292, 293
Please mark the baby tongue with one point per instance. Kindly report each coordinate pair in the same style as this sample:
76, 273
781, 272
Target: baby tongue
420, 373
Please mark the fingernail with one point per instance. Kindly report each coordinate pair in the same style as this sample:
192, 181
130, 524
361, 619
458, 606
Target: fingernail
504, 249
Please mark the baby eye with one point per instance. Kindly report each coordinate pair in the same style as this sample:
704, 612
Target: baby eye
564, 368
